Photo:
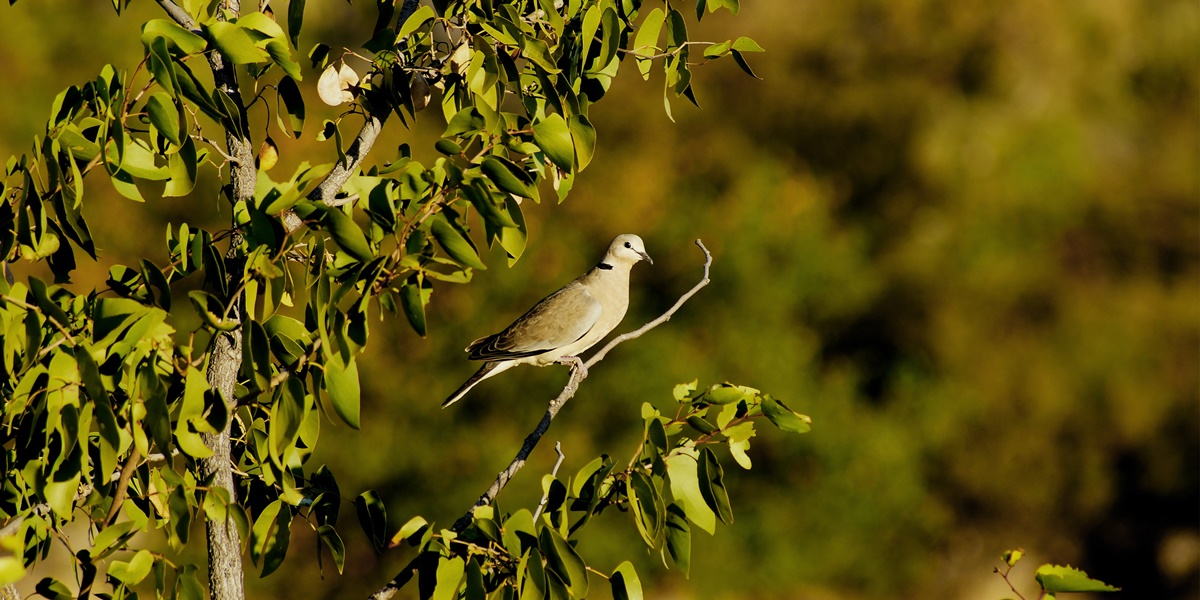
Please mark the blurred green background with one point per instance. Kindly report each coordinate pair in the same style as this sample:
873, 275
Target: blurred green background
963, 236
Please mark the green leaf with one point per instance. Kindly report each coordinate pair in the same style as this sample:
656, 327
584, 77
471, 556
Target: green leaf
134, 571
508, 177
625, 582
192, 407
1057, 578
590, 25
139, 162
539, 54
164, 116
259, 26
554, 138
341, 381
414, 21
188, 584
646, 42
454, 243
584, 137
295, 21
745, 44
414, 525
494, 216
475, 589
347, 234
717, 50
648, 508
448, 147
182, 168
727, 393
270, 537
235, 43
562, 559
372, 516
181, 517
467, 120
449, 576
333, 541
712, 485
679, 538
741, 62
158, 62
181, 39
292, 100
685, 487
287, 413
783, 417
281, 56
733, 6
414, 295
513, 239
53, 589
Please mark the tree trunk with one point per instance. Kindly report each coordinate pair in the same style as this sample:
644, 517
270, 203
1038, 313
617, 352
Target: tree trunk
225, 574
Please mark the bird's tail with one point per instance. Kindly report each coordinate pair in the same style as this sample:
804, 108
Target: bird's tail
487, 370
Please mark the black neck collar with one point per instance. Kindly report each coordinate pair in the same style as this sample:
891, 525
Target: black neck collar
603, 266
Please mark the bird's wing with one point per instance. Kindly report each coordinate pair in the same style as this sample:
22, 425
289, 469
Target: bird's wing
560, 319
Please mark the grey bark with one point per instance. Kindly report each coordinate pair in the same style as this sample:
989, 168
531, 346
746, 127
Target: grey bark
225, 574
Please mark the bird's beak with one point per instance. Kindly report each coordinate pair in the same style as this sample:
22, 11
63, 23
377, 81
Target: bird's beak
646, 257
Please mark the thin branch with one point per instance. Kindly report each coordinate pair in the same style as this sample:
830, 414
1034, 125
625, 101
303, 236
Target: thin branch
179, 15
553, 472
131, 465
217, 147
578, 372
1004, 575
356, 154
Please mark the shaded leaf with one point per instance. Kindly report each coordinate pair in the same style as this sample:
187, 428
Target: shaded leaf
372, 516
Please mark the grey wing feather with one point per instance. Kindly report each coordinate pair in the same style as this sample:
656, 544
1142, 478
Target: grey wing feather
560, 319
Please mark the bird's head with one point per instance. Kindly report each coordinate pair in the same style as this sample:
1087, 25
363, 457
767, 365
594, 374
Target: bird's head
627, 249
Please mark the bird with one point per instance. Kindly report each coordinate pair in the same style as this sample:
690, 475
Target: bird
564, 324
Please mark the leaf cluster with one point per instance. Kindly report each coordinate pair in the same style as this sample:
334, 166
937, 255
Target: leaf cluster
672, 482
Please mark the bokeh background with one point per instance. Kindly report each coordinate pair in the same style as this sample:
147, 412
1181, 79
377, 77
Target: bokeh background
963, 236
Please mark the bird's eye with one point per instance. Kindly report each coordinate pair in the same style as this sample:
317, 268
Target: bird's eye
628, 245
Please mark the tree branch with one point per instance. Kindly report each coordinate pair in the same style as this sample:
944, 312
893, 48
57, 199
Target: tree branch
357, 153
578, 372
179, 15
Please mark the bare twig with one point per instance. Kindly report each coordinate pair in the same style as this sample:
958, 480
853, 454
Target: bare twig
578, 372
553, 472
1004, 575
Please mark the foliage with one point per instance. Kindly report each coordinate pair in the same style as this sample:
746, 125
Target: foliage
673, 481
1053, 579
114, 397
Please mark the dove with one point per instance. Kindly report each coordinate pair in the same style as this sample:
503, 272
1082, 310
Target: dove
565, 323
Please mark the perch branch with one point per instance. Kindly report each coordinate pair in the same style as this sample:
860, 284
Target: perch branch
578, 372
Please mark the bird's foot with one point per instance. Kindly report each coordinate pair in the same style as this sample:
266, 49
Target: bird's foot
576, 365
